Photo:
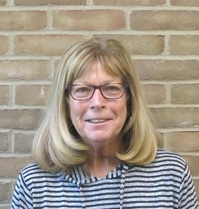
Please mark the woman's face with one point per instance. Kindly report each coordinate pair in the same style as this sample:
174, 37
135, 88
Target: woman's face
98, 120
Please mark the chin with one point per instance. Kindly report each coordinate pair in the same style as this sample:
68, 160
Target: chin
100, 139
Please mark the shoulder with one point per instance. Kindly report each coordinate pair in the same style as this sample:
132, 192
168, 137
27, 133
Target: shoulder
165, 162
34, 172
32, 168
169, 162
167, 166
165, 157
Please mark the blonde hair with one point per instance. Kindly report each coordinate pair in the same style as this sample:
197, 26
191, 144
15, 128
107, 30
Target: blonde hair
57, 145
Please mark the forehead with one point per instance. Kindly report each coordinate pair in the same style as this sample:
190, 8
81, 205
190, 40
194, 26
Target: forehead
97, 72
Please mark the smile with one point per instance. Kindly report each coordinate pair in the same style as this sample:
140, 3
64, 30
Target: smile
97, 120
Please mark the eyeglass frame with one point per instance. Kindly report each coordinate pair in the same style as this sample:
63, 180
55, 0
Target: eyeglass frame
69, 89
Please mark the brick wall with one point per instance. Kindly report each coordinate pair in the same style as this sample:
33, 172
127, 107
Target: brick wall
162, 36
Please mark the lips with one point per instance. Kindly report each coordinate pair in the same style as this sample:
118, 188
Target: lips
97, 120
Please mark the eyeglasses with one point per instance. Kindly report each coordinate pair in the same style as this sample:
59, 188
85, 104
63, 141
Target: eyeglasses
82, 92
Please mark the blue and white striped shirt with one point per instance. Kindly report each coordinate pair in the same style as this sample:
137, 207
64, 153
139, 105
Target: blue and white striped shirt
165, 183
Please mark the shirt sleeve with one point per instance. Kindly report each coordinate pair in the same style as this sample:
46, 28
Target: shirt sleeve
187, 198
21, 197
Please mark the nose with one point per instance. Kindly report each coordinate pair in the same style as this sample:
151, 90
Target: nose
97, 100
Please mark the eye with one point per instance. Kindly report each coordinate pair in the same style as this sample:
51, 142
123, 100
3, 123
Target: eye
81, 89
112, 88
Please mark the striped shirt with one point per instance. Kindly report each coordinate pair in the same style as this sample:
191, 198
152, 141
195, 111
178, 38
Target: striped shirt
165, 183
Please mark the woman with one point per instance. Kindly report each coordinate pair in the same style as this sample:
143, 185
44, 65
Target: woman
97, 146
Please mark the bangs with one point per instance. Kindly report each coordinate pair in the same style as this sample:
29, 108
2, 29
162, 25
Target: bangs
111, 64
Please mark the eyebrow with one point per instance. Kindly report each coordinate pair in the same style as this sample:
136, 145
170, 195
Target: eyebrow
101, 83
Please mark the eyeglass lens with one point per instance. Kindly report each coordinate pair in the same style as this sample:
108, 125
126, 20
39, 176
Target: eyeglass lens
109, 91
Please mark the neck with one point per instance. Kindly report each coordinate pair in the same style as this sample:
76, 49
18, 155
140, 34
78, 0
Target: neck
102, 160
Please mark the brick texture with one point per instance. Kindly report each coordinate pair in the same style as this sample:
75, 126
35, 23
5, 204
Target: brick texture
4, 207
3, 2
167, 70
184, 45
153, 45
184, 141
25, 119
46, 45
25, 139
196, 183
129, 2
5, 191
23, 20
4, 44
4, 142
192, 162
185, 94
26, 70
83, 20
181, 117
7, 171
49, 2
31, 94
155, 93
185, 2
164, 20
161, 35
4, 95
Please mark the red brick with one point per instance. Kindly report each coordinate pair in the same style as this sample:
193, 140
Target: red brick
196, 183
184, 45
184, 141
162, 70
3, 2
185, 94
11, 166
47, 45
192, 161
4, 142
25, 140
141, 45
31, 94
164, 20
23, 20
24, 70
184, 2
89, 20
4, 191
39, 44
48, 2
130, 2
4, 95
155, 93
25, 119
180, 117
4, 44
4, 207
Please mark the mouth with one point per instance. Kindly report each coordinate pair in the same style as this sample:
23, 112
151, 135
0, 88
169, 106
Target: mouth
97, 120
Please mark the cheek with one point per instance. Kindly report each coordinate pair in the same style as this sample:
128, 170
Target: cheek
124, 114
123, 107
73, 110
76, 110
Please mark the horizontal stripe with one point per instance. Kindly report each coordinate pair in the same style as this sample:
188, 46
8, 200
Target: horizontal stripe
165, 183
